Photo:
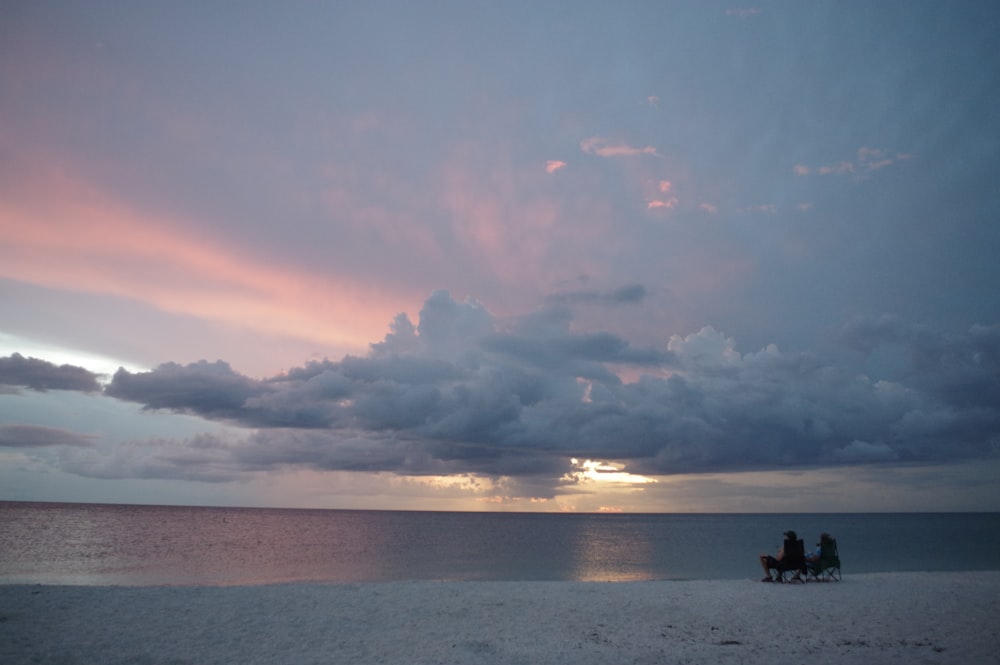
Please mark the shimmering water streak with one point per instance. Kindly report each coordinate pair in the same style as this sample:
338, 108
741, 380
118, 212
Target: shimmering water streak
141, 545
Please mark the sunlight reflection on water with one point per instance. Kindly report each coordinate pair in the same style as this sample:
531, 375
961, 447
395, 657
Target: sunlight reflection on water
145, 545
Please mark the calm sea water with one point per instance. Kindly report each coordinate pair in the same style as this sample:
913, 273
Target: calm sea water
151, 545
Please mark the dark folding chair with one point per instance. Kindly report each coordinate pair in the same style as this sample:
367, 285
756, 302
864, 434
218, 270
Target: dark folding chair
827, 567
793, 565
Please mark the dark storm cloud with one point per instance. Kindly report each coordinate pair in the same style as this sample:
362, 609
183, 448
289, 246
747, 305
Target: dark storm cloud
41, 375
962, 370
212, 390
37, 436
457, 394
583, 356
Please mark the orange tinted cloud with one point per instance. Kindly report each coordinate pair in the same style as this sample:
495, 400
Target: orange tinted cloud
601, 147
668, 204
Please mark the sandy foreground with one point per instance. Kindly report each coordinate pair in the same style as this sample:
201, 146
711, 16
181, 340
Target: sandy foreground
878, 618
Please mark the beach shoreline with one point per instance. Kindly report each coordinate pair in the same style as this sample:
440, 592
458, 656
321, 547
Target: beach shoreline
879, 617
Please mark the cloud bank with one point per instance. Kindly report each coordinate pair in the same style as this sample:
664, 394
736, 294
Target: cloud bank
463, 392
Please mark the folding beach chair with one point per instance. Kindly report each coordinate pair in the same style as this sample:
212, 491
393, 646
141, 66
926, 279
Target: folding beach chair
827, 568
792, 567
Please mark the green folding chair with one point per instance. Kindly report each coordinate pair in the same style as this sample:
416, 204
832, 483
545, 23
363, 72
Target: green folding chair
827, 567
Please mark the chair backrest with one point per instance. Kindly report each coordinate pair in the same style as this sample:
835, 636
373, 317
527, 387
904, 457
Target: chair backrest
795, 553
828, 554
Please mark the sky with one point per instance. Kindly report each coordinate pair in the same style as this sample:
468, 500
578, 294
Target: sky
588, 256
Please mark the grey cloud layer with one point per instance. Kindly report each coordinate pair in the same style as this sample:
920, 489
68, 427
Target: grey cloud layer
37, 374
38, 436
463, 393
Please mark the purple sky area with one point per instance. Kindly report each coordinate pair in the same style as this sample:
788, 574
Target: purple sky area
639, 256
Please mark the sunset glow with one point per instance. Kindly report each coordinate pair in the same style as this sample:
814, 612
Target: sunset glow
649, 257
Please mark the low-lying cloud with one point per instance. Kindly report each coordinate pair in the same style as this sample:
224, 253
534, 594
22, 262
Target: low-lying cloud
38, 436
41, 375
462, 392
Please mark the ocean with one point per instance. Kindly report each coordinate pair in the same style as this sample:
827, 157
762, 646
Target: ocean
98, 544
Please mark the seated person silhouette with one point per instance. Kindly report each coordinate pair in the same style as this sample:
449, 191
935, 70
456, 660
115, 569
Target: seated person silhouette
824, 562
790, 556
826, 542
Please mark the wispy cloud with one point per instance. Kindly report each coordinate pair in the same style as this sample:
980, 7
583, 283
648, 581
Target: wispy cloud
37, 436
554, 165
80, 238
866, 160
629, 294
838, 168
743, 12
604, 148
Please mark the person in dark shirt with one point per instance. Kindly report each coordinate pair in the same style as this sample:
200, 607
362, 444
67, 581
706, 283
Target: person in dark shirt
769, 563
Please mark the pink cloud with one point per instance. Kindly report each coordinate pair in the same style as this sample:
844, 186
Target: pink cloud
838, 168
669, 204
866, 154
601, 147
554, 165
801, 169
880, 164
665, 186
709, 207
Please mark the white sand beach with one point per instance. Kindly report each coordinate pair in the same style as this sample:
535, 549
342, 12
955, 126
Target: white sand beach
875, 618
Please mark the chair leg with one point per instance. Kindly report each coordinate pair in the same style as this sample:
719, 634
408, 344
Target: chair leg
830, 575
791, 577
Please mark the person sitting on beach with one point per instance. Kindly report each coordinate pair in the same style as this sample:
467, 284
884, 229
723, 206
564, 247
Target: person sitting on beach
769, 563
825, 540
